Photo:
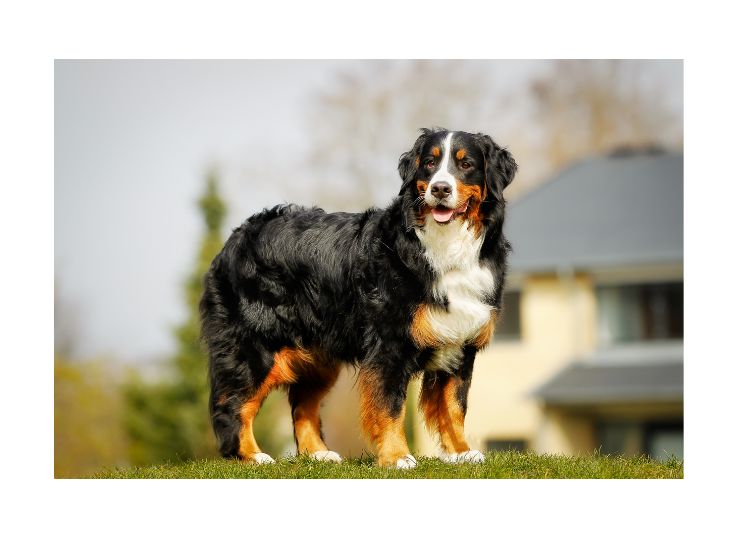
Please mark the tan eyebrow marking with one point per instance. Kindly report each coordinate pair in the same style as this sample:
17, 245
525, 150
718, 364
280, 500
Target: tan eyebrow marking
436, 151
460, 154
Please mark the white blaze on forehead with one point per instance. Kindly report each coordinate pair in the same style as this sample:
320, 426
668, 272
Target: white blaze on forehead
443, 168
443, 174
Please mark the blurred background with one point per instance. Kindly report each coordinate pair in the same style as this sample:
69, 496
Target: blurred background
156, 161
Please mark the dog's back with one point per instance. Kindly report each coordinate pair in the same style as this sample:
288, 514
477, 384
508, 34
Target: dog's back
282, 281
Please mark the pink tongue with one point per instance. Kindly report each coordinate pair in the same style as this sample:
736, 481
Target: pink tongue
442, 214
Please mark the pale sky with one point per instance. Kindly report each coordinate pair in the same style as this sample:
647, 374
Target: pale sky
133, 140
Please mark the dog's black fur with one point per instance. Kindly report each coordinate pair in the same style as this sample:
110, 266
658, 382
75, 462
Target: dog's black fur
346, 284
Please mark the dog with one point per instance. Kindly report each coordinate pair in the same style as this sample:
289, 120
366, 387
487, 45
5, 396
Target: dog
415, 288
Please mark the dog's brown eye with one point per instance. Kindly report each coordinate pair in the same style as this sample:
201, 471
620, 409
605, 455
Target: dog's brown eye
429, 164
465, 165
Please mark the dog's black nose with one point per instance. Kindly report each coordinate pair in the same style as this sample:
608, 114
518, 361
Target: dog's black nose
441, 190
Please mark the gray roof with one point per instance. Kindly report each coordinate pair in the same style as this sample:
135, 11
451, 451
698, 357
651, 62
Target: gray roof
588, 383
602, 212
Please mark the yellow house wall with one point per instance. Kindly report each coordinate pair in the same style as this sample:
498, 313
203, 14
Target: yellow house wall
558, 322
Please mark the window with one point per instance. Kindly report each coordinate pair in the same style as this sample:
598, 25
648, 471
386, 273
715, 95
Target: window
665, 440
508, 326
632, 313
624, 438
659, 440
498, 445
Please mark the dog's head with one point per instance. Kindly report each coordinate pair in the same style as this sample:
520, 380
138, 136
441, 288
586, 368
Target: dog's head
456, 175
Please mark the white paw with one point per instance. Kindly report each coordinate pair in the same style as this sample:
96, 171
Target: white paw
262, 458
407, 462
326, 455
470, 456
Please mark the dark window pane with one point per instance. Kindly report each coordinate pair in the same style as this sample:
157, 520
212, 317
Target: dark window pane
659, 440
664, 440
508, 326
616, 438
640, 312
516, 445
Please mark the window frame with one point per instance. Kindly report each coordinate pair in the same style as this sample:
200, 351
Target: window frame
605, 320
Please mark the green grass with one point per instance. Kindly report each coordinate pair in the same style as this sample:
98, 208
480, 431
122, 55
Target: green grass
498, 465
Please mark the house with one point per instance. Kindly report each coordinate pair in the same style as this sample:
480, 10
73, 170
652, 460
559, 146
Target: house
589, 352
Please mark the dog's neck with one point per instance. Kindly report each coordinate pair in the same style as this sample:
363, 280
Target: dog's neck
452, 246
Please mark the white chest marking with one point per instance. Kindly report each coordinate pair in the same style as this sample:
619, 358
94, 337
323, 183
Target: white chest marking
453, 252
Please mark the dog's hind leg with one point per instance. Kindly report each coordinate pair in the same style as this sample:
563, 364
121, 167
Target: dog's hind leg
282, 372
305, 397
248, 449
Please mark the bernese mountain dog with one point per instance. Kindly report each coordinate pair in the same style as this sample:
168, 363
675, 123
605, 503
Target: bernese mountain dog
296, 293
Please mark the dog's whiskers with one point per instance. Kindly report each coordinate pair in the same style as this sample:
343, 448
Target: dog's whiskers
419, 200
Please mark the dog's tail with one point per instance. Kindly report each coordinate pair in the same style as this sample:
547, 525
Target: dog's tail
219, 333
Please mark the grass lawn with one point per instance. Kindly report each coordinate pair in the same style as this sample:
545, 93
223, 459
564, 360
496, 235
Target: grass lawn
498, 465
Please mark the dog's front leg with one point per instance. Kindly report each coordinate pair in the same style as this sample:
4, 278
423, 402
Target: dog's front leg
383, 395
443, 399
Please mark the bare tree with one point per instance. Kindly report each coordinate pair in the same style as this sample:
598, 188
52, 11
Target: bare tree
374, 113
594, 106
570, 110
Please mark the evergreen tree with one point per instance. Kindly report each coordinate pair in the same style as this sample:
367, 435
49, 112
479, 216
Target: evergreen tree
168, 419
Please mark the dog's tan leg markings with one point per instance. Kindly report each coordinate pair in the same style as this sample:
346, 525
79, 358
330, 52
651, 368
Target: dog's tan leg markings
385, 431
287, 363
441, 405
248, 449
443, 411
305, 397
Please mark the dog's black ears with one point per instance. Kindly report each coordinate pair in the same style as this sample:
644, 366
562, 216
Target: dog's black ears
499, 165
410, 160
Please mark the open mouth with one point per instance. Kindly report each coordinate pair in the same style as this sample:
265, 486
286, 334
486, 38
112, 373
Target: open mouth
444, 215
